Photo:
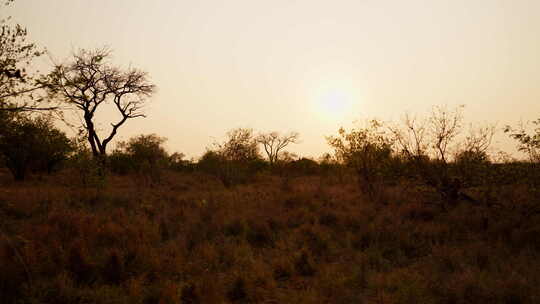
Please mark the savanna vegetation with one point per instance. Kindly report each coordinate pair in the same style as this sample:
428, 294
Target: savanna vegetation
421, 210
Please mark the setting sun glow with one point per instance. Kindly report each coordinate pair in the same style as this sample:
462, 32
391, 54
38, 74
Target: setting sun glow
334, 104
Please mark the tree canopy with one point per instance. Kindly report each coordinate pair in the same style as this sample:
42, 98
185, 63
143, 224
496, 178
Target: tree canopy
19, 88
89, 81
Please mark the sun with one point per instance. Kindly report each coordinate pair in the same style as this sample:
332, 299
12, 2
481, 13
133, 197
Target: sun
334, 104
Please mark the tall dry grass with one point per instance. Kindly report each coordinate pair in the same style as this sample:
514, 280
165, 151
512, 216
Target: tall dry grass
315, 239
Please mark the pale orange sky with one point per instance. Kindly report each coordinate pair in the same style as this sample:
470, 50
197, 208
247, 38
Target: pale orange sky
276, 65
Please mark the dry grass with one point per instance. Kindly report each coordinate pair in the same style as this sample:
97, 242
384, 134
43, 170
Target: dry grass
189, 239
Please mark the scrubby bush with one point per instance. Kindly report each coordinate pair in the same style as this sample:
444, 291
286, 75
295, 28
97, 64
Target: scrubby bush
89, 170
436, 153
142, 154
368, 150
471, 167
177, 162
528, 142
32, 144
235, 161
303, 166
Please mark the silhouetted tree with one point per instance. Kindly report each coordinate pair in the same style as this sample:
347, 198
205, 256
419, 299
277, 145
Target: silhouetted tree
16, 81
274, 142
89, 81
528, 142
444, 126
427, 146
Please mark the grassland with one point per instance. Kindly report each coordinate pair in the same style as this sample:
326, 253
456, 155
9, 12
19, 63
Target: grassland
303, 239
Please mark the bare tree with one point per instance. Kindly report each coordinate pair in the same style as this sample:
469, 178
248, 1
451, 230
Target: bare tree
478, 140
444, 126
427, 145
412, 137
89, 81
274, 142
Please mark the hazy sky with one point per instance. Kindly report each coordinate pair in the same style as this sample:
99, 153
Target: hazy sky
307, 66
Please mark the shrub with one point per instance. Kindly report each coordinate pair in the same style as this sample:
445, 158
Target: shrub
177, 162
143, 154
90, 171
32, 144
236, 161
367, 150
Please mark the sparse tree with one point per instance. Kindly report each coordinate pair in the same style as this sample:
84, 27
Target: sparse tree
89, 81
434, 137
17, 82
529, 143
411, 138
444, 126
427, 146
273, 143
479, 139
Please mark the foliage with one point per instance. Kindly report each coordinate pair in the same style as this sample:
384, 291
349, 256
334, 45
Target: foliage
367, 150
177, 162
90, 171
229, 172
143, 154
235, 161
527, 142
32, 144
17, 81
241, 146
145, 151
302, 166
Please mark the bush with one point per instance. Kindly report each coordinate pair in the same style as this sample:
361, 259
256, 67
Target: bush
28, 144
177, 162
471, 167
303, 166
367, 150
236, 161
90, 171
230, 172
143, 154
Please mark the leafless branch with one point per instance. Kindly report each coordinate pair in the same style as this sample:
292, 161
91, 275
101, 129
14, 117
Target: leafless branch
89, 81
